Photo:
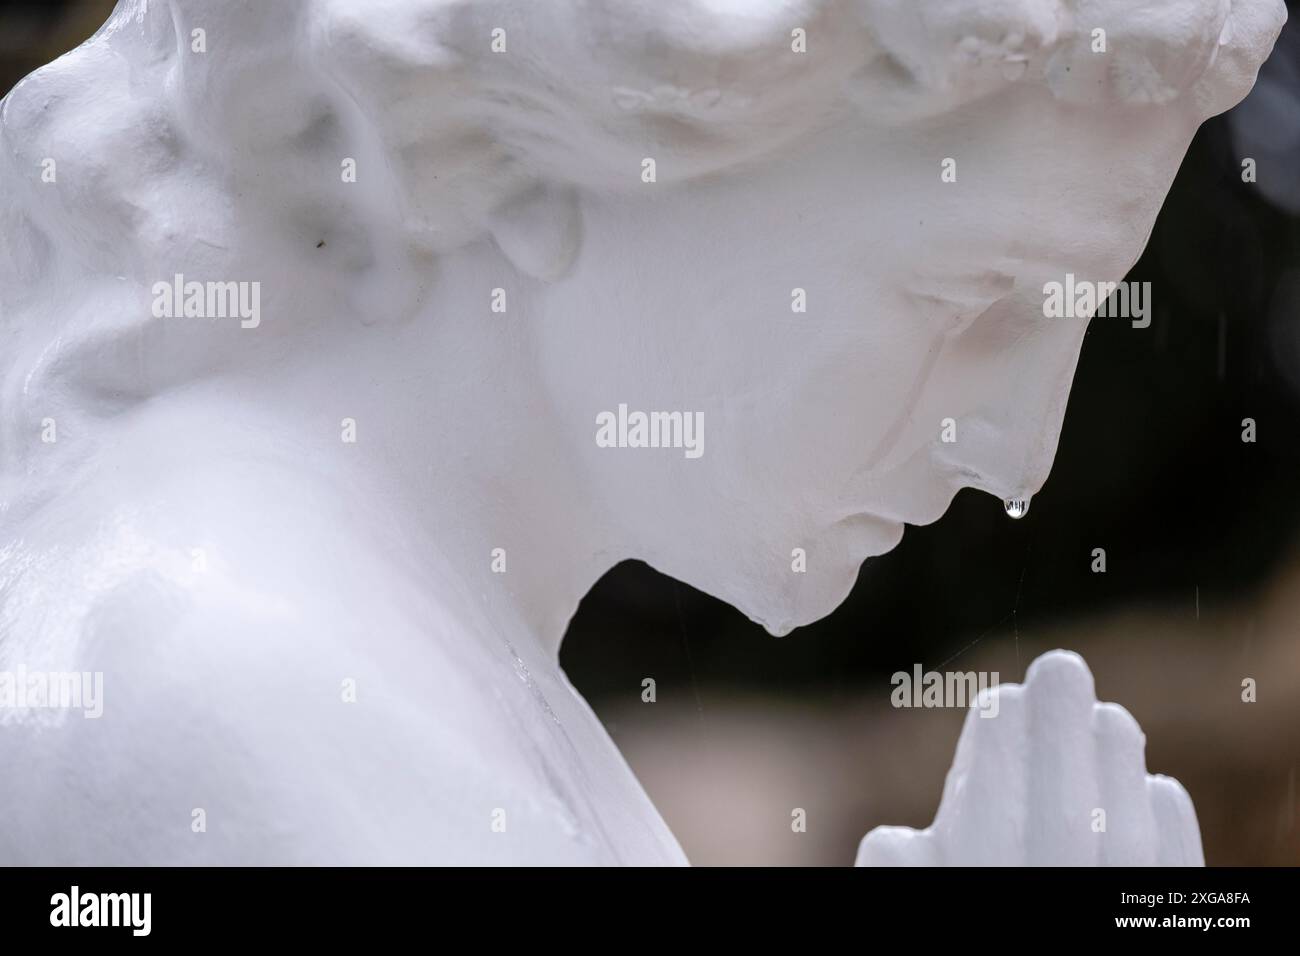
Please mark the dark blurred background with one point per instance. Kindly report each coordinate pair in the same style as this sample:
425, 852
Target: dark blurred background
34, 32
1200, 529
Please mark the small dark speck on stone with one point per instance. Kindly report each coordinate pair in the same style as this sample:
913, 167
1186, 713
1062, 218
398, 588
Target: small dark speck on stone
321, 243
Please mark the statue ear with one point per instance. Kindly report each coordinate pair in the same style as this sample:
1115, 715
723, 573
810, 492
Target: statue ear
539, 231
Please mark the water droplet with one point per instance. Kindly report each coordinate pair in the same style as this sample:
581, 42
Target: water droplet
1017, 507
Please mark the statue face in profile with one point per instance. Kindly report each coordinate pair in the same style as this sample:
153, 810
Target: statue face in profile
861, 337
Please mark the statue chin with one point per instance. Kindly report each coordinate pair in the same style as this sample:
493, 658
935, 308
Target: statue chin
345, 351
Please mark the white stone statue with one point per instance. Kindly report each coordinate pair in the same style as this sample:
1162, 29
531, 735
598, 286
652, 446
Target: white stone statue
338, 338
1056, 779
